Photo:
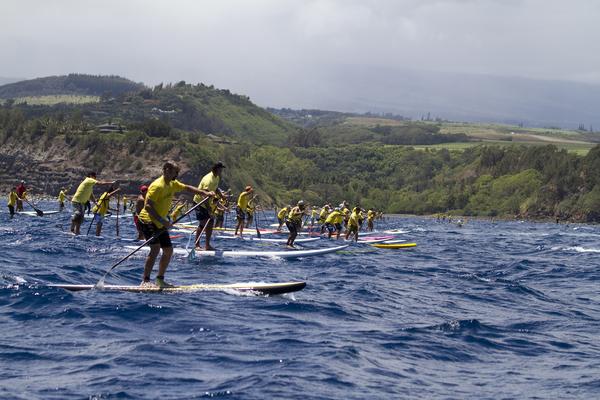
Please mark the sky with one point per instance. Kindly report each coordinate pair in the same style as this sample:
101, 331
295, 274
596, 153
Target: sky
264, 47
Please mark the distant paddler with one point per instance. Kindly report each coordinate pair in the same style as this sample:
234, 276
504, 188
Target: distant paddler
125, 200
241, 209
20, 190
139, 206
281, 216
62, 195
323, 216
221, 208
101, 208
153, 219
370, 217
294, 222
250, 211
178, 210
12, 201
354, 223
334, 223
208, 184
82, 195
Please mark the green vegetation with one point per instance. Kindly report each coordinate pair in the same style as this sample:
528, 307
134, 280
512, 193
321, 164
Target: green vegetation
57, 99
391, 164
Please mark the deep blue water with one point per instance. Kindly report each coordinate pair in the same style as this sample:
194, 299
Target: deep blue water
489, 310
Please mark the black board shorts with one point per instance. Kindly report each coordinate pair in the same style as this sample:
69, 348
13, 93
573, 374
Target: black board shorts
150, 229
293, 227
202, 214
240, 214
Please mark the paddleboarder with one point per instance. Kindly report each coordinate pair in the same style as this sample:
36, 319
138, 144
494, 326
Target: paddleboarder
20, 189
139, 205
334, 223
281, 215
101, 208
294, 222
61, 199
82, 195
208, 184
354, 223
154, 223
242, 208
12, 201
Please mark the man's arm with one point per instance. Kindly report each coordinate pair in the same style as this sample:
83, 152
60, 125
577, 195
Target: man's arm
149, 207
202, 192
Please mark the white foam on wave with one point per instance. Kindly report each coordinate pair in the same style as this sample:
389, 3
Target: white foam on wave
581, 249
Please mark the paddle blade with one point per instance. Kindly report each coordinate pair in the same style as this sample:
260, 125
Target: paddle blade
191, 255
100, 284
39, 212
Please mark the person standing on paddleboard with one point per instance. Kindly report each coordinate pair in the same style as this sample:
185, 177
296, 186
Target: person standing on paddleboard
294, 222
61, 199
354, 223
20, 189
82, 195
101, 208
153, 219
241, 209
281, 215
12, 201
139, 206
210, 182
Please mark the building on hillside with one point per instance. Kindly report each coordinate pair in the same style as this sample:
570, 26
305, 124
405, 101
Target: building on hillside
219, 139
106, 128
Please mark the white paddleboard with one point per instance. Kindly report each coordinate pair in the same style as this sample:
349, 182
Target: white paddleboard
252, 253
262, 288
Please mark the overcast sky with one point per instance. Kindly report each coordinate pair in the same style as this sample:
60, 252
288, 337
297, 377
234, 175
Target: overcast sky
255, 46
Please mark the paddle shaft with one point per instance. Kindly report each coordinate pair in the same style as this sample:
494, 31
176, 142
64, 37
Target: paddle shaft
152, 238
37, 210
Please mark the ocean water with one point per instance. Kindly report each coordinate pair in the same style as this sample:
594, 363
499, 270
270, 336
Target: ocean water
504, 310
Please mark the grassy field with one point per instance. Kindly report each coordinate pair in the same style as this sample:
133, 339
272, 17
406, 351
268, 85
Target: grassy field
498, 134
578, 148
56, 99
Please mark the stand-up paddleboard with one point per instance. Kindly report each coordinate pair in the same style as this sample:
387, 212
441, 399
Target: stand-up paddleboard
393, 245
247, 231
372, 239
267, 240
262, 288
252, 253
34, 213
395, 231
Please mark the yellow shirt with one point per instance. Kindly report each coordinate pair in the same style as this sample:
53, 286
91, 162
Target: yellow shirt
102, 206
209, 182
84, 190
282, 213
323, 214
161, 195
12, 198
178, 211
243, 200
295, 215
61, 196
370, 215
335, 217
353, 221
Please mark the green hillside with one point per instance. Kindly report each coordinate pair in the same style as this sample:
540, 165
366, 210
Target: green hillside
388, 163
72, 84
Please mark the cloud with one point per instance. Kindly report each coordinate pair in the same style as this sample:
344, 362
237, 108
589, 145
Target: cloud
249, 45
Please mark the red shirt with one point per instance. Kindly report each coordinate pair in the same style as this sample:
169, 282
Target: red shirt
21, 189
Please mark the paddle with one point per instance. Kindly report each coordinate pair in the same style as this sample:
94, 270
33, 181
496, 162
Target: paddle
256, 222
100, 283
118, 208
39, 212
192, 253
